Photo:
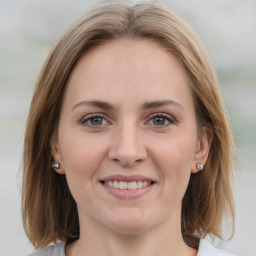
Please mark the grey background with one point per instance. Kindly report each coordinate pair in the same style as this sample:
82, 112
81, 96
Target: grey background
29, 28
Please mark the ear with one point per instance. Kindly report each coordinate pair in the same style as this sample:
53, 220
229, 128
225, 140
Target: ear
56, 154
203, 148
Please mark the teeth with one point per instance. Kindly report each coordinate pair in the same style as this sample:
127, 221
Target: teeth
132, 185
139, 184
127, 185
123, 185
115, 184
144, 183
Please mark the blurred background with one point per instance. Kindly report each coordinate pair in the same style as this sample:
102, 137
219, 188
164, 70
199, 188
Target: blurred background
28, 30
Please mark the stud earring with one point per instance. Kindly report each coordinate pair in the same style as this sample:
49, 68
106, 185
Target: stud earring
56, 165
199, 166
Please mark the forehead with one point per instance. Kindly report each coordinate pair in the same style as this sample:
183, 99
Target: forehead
122, 69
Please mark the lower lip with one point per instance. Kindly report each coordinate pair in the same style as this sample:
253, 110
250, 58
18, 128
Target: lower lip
128, 193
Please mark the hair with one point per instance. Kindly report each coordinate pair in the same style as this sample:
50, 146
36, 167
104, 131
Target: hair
48, 208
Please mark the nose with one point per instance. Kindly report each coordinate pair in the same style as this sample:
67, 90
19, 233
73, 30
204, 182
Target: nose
127, 146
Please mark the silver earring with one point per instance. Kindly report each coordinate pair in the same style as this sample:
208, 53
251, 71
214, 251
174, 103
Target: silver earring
56, 165
199, 166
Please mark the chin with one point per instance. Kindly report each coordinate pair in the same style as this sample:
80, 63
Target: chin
129, 228
129, 222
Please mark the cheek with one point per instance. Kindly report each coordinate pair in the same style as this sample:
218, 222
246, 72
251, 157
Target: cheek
81, 156
176, 152
174, 158
81, 159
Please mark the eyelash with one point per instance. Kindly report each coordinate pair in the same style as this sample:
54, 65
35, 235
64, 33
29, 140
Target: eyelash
166, 117
90, 117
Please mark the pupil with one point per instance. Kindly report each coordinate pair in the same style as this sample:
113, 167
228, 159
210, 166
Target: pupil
96, 121
159, 121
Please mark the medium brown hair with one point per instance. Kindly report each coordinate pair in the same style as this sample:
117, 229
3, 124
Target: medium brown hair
49, 210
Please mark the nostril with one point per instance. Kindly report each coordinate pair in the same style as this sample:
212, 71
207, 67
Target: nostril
127, 154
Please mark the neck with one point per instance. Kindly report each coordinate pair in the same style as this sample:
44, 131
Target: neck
157, 241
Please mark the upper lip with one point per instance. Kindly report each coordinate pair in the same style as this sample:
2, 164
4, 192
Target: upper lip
127, 178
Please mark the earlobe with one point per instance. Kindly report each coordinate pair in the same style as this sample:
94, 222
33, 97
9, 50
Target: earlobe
56, 154
202, 150
199, 166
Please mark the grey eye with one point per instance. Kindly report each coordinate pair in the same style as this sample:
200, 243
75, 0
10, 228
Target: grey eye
96, 121
159, 120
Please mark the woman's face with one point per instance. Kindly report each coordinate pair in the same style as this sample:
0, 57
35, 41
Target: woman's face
127, 138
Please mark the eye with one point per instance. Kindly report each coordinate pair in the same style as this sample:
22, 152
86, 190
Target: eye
161, 120
94, 121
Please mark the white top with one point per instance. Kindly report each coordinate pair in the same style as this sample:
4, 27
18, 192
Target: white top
205, 249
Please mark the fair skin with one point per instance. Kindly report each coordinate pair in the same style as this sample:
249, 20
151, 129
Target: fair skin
127, 116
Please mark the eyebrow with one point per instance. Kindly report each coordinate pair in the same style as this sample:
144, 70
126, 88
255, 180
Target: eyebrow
160, 103
145, 106
94, 103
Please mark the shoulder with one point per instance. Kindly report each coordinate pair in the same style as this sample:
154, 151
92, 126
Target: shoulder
206, 249
52, 250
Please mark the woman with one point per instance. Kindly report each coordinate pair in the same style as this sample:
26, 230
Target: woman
128, 148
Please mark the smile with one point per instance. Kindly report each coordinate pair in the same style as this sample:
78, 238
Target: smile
128, 187
131, 185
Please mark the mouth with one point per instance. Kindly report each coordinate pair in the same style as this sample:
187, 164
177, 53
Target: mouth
127, 187
130, 185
